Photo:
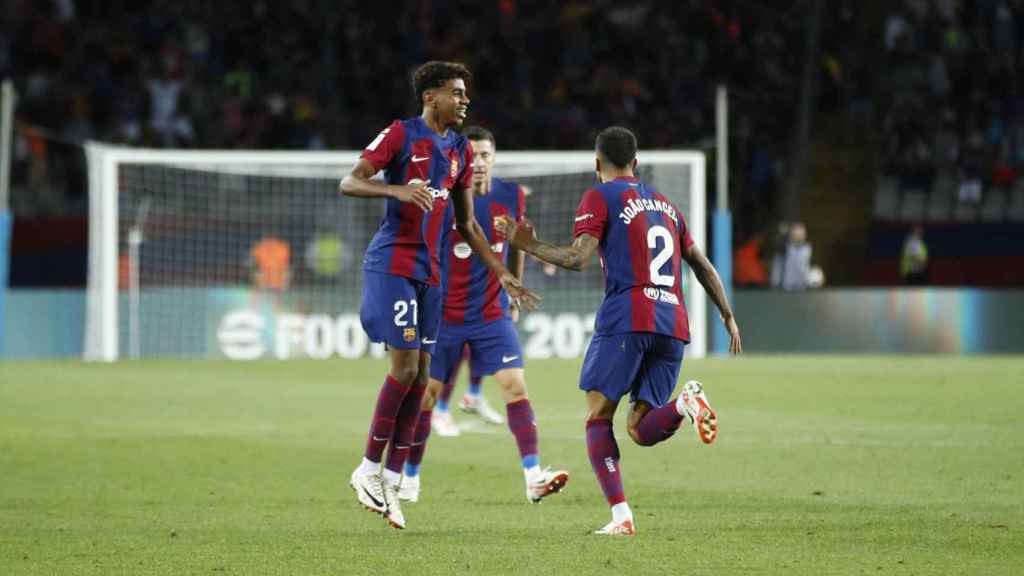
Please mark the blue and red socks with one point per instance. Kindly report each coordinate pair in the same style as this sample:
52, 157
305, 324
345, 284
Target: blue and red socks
402, 437
474, 385
659, 424
419, 444
603, 451
382, 426
445, 396
524, 429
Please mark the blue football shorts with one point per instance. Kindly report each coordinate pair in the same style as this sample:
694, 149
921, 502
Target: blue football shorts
642, 364
401, 312
493, 346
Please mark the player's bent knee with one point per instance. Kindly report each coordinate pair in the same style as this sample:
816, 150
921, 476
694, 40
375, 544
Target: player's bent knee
512, 384
634, 434
514, 394
405, 366
406, 375
422, 378
431, 395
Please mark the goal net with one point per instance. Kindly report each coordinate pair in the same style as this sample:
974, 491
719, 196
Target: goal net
246, 255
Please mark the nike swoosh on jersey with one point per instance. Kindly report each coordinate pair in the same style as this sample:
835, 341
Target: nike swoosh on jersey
416, 158
429, 341
507, 359
584, 217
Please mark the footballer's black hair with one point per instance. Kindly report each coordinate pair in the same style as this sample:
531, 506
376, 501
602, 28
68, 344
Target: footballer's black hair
479, 133
435, 73
617, 145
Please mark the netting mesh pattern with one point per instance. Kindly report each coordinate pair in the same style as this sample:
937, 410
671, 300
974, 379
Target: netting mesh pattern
203, 241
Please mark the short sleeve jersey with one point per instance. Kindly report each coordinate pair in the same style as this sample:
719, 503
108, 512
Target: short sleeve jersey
473, 293
408, 242
642, 237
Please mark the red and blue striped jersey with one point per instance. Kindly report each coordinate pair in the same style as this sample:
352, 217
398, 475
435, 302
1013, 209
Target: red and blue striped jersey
641, 241
409, 240
473, 292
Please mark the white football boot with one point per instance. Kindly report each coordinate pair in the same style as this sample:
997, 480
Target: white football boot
478, 405
613, 528
409, 489
369, 490
393, 514
443, 424
693, 403
545, 483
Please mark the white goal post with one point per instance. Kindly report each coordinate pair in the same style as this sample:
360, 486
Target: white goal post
170, 195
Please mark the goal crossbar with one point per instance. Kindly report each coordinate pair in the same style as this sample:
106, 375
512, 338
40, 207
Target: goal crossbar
101, 339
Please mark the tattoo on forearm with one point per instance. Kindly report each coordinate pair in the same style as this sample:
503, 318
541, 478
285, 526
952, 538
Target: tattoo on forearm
564, 256
516, 261
573, 257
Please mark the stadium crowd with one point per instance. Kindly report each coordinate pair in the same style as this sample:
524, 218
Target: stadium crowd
312, 74
952, 105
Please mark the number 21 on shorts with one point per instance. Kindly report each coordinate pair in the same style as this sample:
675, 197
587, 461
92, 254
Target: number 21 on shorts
402, 310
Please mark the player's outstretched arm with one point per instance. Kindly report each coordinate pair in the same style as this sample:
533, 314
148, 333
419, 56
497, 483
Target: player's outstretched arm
712, 283
575, 257
470, 230
517, 260
359, 183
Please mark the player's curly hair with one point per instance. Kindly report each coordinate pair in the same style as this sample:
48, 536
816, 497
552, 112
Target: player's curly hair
617, 145
435, 73
479, 133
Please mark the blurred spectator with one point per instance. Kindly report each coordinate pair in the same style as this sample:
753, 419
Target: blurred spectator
270, 261
779, 244
914, 258
747, 267
792, 270
166, 118
328, 256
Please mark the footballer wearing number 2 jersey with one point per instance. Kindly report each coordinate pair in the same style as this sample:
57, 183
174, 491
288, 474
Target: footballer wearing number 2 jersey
641, 327
425, 165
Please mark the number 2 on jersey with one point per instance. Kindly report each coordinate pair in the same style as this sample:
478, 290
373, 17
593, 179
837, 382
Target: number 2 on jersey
653, 234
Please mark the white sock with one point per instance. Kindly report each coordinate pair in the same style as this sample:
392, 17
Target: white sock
621, 513
681, 408
531, 473
392, 478
369, 467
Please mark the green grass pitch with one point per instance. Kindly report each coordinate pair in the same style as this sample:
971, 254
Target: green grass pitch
824, 465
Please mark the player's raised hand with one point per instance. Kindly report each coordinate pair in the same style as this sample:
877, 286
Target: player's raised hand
522, 297
415, 192
503, 224
519, 234
735, 345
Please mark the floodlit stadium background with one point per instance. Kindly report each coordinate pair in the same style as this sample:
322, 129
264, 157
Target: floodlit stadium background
871, 426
